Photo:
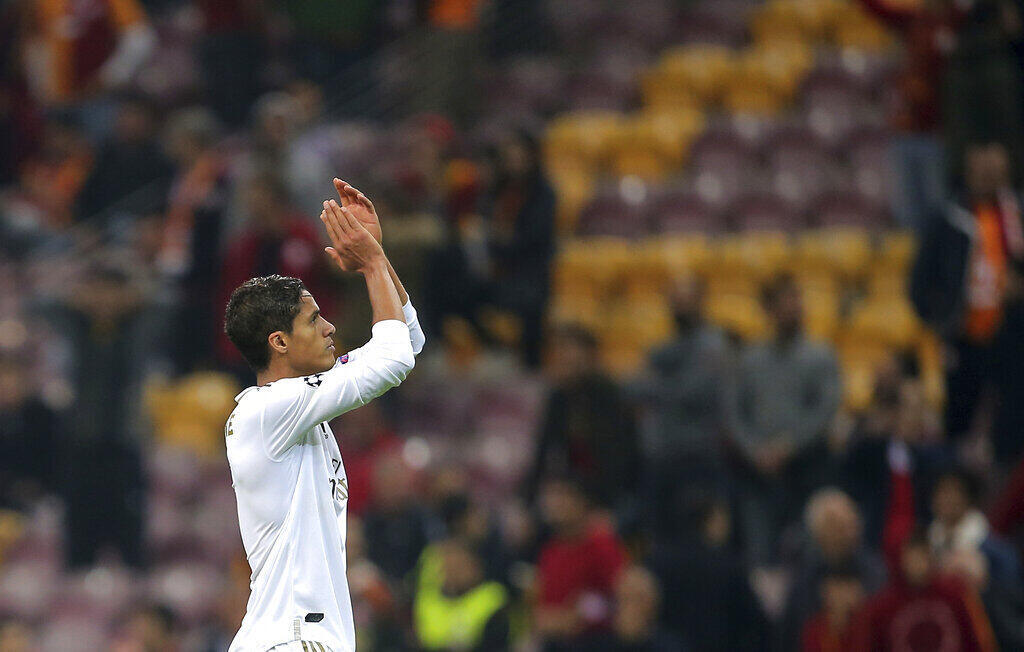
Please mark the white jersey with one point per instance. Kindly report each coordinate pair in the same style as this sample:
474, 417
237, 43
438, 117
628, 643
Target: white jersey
292, 492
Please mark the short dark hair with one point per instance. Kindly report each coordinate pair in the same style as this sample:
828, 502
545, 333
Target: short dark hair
969, 483
256, 309
779, 284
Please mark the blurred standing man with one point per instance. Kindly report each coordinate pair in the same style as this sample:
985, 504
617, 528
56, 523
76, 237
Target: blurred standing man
683, 391
928, 30
286, 466
786, 393
968, 284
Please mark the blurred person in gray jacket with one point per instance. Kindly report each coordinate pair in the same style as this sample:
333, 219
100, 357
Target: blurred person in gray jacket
784, 396
682, 398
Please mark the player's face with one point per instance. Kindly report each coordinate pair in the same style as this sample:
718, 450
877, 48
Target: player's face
310, 347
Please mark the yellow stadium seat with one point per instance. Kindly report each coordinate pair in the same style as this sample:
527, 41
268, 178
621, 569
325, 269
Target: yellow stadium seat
859, 357
573, 189
683, 254
738, 313
699, 70
852, 28
580, 140
754, 98
846, 251
760, 253
932, 366
897, 249
821, 305
777, 21
890, 321
191, 412
665, 91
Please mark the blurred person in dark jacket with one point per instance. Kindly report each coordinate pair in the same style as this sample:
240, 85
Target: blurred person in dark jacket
130, 170
707, 597
587, 430
112, 338
395, 523
635, 625
28, 436
842, 593
834, 525
893, 459
682, 391
577, 567
922, 610
929, 30
785, 394
455, 607
968, 284
521, 237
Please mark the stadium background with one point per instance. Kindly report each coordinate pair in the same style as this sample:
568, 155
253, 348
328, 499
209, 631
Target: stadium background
617, 221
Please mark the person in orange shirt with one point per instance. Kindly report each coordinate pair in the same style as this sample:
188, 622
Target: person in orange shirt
968, 284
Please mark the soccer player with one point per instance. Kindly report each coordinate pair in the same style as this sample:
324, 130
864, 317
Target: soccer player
286, 467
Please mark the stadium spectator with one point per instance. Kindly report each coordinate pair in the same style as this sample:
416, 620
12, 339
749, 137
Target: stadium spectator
635, 625
967, 284
455, 607
149, 627
785, 395
521, 236
929, 32
960, 525
368, 438
708, 601
682, 389
893, 459
395, 524
1002, 599
587, 428
112, 336
194, 232
28, 437
842, 593
126, 165
231, 52
834, 525
75, 52
922, 610
374, 601
576, 569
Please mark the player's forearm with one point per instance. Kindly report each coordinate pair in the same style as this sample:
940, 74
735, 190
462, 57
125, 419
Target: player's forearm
403, 296
384, 297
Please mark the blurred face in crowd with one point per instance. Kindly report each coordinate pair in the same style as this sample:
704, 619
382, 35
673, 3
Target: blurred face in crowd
134, 123
717, 526
786, 310
516, 158
835, 526
987, 170
13, 386
636, 603
950, 501
686, 297
570, 357
563, 507
392, 485
840, 597
147, 631
462, 570
264, 203
16, 637
916, 562
970, 565
106, 298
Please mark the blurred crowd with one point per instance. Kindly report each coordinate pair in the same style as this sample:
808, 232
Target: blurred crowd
540, 481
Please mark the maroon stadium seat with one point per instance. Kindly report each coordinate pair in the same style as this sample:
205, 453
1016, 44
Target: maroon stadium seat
684, 212
611, 215
761, 211
847, 209
799, 167
723, 167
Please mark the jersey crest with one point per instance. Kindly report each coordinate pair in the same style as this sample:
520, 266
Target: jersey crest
314, 380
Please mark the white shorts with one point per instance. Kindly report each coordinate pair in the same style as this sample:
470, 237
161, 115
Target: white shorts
300, 646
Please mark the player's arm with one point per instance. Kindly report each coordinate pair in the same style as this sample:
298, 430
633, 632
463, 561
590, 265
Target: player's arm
362, 208
297, 404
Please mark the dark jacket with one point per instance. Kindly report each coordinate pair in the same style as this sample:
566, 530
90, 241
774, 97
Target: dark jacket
937, 282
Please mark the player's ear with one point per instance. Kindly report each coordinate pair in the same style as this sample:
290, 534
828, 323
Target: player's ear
278, 342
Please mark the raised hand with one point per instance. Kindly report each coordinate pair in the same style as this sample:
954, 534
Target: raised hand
354, 249
360, 206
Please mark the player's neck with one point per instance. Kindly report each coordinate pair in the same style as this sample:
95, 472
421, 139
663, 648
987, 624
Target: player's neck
276, 370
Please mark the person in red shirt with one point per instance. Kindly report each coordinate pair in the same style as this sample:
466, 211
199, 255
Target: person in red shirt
842, 593
577, 567
922, 611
